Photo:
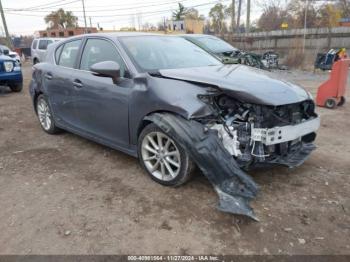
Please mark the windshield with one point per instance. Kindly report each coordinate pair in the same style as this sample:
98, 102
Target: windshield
4, 50
215, 44
152, 53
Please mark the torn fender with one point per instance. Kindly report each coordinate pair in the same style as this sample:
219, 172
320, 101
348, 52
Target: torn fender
234, 187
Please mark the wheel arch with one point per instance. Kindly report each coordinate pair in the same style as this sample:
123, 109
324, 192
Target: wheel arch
146, 120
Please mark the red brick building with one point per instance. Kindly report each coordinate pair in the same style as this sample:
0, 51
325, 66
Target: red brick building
344, 22
67, 32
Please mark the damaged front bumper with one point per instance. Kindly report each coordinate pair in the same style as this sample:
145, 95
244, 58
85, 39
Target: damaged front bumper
278, 135
218, 152
235, 188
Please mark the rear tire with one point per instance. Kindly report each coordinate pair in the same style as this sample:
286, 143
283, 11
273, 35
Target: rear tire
342, 101
163, 158
45, 116
331, 103
17, 87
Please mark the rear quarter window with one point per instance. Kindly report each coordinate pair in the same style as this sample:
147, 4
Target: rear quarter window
69, 53
35, 44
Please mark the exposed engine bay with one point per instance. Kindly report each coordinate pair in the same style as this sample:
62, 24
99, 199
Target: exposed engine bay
240, 128
257, 135
240, 136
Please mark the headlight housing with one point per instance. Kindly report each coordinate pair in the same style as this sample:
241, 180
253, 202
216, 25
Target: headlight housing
8, 66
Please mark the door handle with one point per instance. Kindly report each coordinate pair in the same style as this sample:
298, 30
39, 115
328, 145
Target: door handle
48, 76
77, 83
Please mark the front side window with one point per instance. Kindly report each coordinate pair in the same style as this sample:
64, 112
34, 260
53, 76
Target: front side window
99, 50
69, 54
152, 53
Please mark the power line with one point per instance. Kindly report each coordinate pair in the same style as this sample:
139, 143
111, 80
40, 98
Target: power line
128, 14
41, 7
103, 10
161, 12
94, 6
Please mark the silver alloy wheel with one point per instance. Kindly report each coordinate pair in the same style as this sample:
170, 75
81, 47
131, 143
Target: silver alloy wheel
161, 156
44, 114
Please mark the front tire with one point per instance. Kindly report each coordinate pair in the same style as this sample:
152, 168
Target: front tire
17, 87
163, 158
45, 116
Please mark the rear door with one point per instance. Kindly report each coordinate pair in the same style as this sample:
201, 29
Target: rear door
59, 82
101, 105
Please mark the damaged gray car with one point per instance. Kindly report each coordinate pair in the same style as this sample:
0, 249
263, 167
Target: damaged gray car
174, 106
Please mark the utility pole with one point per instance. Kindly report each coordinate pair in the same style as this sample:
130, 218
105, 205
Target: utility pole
248, 16
239, 15
233, 18
164, 24
305, 23
8, 38
90, 21
85, 31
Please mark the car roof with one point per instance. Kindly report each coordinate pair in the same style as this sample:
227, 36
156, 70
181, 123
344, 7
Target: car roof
119, 34
49, 38
115, 35
196, 35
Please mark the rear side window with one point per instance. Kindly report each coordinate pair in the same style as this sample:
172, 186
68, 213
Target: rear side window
43, 44
99, 50
35, 44
69, 53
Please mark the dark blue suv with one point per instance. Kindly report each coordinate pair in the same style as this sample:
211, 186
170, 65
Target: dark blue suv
10, 71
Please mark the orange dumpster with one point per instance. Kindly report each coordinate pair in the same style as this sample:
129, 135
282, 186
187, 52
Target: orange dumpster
332, 93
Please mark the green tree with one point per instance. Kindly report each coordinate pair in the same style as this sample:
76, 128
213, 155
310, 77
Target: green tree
61, 19
180, 13
217, 15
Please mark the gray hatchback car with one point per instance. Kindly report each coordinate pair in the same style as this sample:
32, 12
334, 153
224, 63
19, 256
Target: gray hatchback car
174, 106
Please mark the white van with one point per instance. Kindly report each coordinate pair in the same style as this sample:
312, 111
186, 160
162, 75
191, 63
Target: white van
39, 47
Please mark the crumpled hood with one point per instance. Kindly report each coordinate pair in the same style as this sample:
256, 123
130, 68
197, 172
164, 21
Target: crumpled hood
244, 83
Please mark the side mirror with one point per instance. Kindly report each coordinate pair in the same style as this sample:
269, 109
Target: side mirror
6, 52
107, 69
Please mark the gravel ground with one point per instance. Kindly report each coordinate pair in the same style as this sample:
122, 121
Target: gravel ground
66, 195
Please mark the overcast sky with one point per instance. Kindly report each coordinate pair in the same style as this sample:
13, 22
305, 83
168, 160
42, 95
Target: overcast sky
24, 17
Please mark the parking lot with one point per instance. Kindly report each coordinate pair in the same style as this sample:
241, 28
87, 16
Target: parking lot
66, 195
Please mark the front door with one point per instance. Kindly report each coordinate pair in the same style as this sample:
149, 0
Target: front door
100, 104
